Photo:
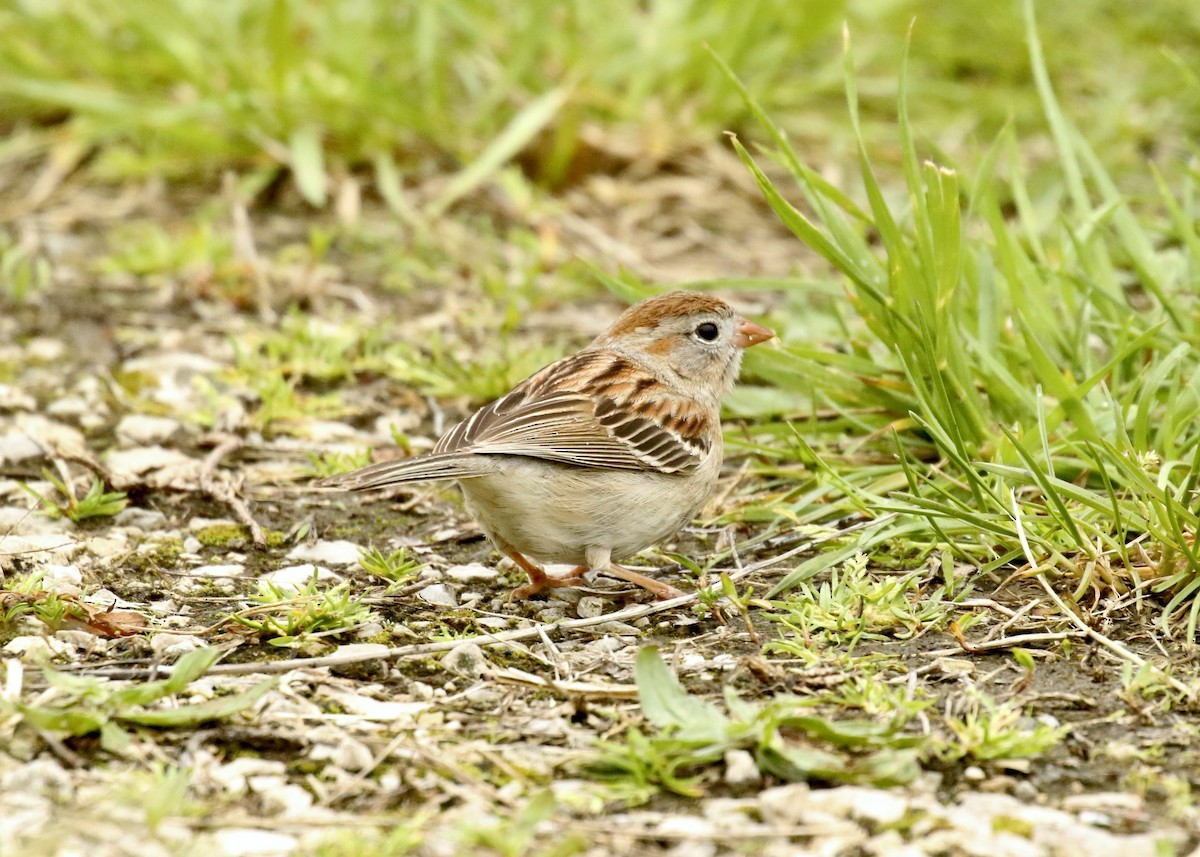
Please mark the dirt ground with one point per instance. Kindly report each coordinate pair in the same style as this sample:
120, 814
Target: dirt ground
449, 720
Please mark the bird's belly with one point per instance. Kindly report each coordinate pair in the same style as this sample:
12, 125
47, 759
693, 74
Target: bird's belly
553, 513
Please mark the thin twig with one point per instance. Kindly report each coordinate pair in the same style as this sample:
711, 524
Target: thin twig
223, 492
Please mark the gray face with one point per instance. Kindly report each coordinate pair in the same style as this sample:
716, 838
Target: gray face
698, 348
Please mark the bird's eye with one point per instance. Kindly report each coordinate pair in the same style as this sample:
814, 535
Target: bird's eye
707, 331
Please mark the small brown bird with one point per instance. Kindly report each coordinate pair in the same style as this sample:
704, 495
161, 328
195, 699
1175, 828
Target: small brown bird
602, 453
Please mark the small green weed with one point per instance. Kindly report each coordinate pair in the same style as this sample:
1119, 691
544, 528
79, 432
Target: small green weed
396, 567
401, 839
322, 464
26, 596
83, 705
986, 731
162, 793
23, 273
515, 834
286, 616
788, 739
97, 503
145, 249
857, 603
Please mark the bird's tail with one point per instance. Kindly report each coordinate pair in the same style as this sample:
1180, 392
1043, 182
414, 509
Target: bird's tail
424, 468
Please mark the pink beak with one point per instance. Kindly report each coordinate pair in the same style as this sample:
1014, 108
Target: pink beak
749, 334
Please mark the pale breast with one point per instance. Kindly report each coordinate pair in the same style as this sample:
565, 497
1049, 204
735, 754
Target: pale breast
553, 513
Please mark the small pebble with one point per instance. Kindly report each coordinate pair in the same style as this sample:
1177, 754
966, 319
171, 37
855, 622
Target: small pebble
471, 573
296, 577
339, 552
590, 606
466, 659
741, 769
438, 594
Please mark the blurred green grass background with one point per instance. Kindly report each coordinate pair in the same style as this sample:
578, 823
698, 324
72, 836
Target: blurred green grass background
185, 89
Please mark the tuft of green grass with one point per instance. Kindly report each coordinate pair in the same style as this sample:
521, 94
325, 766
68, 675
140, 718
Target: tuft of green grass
787, 736
317, 91
1020, 353
96, 503
515, 833
286, 617
79, 705
24, 273
858, 603
312, 89
403, 838
986, 731
322, 464
27, 596
396, 567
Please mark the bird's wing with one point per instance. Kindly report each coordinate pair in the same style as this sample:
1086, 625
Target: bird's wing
588, 410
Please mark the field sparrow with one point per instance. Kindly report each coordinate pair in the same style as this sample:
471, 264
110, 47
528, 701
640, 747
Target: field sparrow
602, 453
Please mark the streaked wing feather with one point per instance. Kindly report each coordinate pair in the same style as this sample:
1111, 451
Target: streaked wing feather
595, 426
452, 465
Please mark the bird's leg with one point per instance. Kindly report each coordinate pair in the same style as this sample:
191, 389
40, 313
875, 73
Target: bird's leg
600, 559
539, 581
663, 591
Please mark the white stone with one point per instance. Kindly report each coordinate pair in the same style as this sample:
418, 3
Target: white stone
23, 520
438, 594
784, 805
369, 630
472, 572
66, 579
296, 577
15, 399
144, 430
89, 643
328, 431
69, 406
107, 546
17, 446
45, 349
384, 710
279, 795
146, 520
874, 806
590, 606
143, 459
741, 769
233, 776
686, 827
249, 842
48, 546
622, 629
197, 523
891, 844
52, 434
327, 552
173, 367
173, 645
108, 599
605, 645
37, 648
1122, 801
347, 753
466, 659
